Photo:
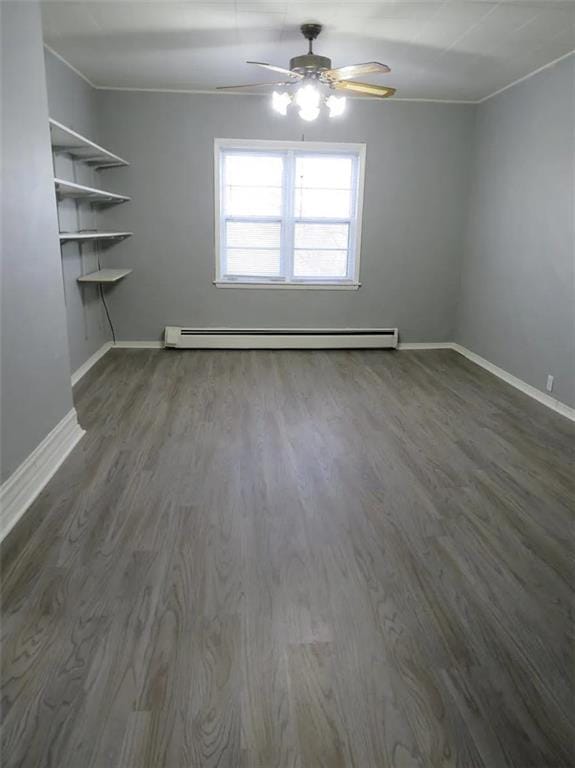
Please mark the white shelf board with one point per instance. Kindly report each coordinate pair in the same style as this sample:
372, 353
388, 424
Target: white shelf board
80, 192
104, 276
66, 237
66, 140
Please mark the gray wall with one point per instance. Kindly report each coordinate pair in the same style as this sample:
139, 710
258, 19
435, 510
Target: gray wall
517, 304
73, 102
413, 223
36, 391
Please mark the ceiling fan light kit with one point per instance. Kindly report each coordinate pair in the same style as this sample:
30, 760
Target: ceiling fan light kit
309, 99
316, 80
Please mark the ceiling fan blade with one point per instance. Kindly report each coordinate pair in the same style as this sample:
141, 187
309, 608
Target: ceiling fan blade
370, 90
356, 70
249, 85
276, 69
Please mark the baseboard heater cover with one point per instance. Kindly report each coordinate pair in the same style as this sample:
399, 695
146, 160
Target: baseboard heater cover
281, 338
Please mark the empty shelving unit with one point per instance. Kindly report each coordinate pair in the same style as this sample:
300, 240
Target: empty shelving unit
80, 158
66, 141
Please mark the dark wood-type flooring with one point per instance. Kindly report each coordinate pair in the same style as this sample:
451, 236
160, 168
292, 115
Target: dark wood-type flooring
307, 559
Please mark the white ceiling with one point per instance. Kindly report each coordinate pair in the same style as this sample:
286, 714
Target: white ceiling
454, 49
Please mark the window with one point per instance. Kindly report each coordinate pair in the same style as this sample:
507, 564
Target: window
288, 214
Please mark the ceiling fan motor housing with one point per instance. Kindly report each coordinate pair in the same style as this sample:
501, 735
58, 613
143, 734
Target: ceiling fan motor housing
309, 63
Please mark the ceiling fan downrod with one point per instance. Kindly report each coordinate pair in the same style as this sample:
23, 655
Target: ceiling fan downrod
310, 32
309, 64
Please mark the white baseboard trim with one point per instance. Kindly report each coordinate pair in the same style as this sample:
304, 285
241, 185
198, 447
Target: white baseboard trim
85, 367
139, 345
527, 389
26, 482
425, 345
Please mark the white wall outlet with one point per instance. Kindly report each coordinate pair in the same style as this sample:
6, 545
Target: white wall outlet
549, 385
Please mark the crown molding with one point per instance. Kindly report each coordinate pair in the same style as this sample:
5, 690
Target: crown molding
70, 66
212, 92
526, 77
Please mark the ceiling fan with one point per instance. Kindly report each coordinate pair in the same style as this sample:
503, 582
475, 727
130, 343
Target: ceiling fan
315, 79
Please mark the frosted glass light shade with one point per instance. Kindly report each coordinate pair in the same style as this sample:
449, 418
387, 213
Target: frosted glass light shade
309, 113
336, 105
307, 97
281, 101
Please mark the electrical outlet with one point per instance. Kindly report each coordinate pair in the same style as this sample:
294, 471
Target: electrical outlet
550, 380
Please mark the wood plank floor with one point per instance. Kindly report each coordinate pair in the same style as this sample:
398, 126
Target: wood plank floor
303, 559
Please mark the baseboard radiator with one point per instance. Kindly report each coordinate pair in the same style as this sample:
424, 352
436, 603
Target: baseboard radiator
281, 338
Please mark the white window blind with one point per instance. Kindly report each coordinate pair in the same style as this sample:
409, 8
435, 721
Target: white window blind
288, 214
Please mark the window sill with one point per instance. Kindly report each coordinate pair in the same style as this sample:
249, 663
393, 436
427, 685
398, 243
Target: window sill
289, 286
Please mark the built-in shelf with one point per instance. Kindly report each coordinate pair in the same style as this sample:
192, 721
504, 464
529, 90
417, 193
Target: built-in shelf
65, 140
104, 276
80, 192
66, 237
79, 147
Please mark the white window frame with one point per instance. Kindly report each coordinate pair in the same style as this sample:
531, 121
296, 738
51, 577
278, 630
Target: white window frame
355, 220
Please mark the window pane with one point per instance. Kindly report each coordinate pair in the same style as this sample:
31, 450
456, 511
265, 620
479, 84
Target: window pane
323, 172
308, 263
253, 262
245, 234
321, 235
253, 170
322, 203
252, 201
323, 186
253, 185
